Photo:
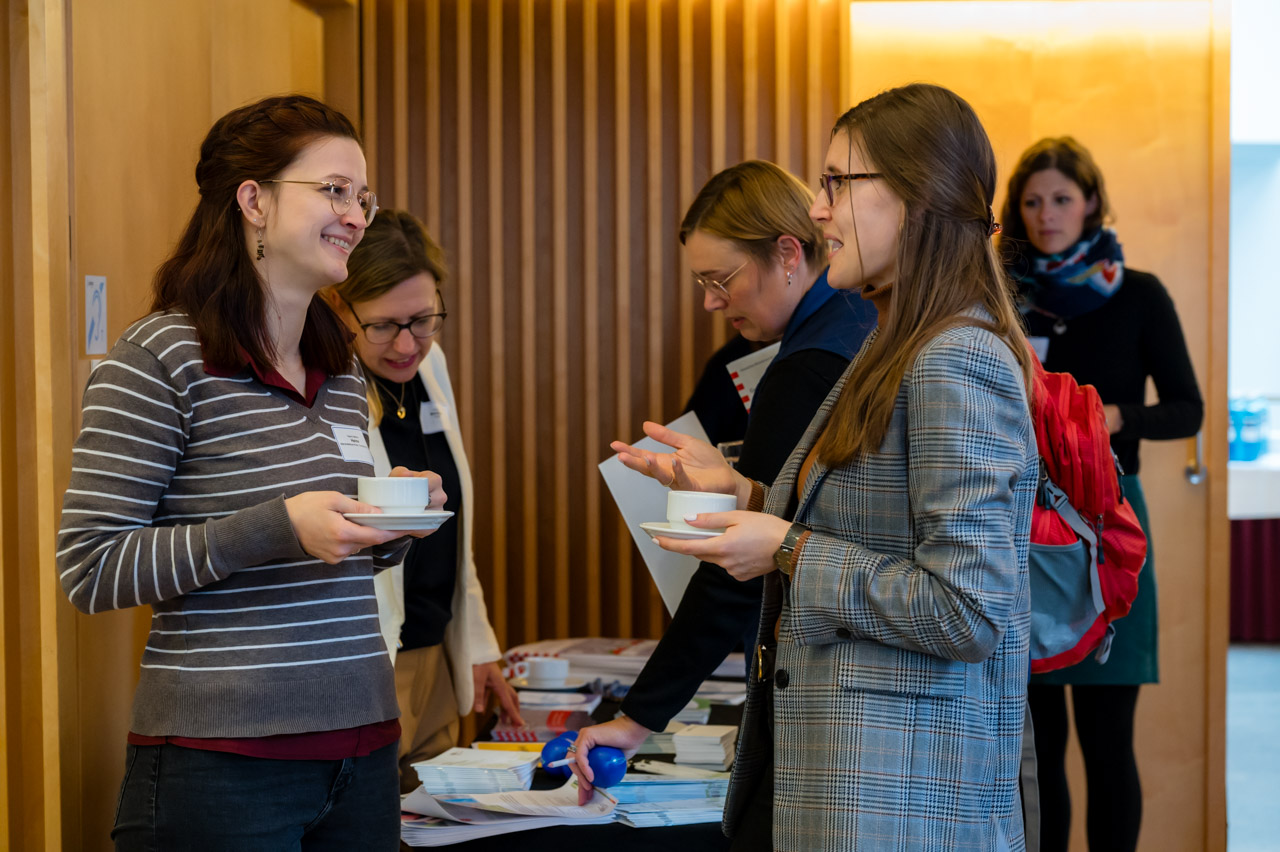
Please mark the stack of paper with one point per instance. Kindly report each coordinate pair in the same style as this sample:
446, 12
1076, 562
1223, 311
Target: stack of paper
611, 659
541, 725
660, 742
467, 770
730, 692
635, 788
686, 812
706, 745
696, 712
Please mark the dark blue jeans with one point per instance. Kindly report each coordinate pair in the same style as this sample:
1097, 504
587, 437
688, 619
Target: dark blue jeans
189, 799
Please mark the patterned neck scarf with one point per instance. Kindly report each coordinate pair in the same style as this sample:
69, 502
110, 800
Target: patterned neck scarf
1075, 281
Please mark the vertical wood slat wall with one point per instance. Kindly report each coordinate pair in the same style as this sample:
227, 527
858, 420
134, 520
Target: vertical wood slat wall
552, 147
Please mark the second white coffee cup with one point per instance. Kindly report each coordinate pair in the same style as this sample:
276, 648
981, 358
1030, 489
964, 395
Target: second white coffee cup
683, 503
542, 671
395, 495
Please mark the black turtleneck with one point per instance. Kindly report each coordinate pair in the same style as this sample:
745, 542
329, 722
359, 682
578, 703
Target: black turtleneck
431, 566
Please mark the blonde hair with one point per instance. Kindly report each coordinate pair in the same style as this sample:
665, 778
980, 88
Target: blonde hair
394, 248
752, 204
932, 151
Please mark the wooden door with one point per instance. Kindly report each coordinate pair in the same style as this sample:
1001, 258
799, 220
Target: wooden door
1143, 85
147, 79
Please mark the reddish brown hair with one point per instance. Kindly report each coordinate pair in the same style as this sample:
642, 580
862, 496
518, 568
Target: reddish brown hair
210, 275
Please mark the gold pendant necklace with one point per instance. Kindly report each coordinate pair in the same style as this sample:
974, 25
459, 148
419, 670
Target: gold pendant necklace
400, 409
400, 412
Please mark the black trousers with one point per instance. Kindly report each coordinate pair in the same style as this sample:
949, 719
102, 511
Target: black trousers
1104, 727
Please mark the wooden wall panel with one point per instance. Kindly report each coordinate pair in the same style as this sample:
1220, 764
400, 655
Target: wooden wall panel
35, 370
552, 151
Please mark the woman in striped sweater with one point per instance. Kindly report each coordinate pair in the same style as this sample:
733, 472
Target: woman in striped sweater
222, 439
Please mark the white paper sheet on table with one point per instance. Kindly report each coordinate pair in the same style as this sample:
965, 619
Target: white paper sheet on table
562, 802
444, 823
640, 499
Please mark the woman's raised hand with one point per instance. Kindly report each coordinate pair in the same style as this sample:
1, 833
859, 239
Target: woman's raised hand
694, 466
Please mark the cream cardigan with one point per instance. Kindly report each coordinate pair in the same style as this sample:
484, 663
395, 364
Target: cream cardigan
468, 639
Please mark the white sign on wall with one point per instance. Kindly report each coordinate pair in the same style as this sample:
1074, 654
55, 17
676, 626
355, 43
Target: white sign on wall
95, 315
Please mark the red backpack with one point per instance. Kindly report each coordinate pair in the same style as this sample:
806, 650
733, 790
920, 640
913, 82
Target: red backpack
1086, 545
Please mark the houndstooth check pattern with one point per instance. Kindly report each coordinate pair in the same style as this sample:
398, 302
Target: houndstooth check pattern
904, 631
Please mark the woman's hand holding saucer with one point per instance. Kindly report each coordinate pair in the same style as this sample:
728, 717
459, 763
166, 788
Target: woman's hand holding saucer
746, 548
317, 521
694, 466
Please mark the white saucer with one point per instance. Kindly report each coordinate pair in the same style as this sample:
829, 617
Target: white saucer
428, 520
657, 528
571, 684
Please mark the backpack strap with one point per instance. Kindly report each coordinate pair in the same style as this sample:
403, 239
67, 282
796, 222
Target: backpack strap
1056, 499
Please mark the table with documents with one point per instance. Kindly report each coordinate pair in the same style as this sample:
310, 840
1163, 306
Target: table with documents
634, 822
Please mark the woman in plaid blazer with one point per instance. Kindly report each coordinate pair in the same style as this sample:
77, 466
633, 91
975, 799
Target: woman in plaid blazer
894, 542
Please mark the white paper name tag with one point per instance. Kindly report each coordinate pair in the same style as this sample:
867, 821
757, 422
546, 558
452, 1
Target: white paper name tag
431, 416
352, 445
1040, 345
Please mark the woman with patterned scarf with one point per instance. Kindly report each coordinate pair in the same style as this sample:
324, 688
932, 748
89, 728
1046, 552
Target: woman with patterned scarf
1112, 327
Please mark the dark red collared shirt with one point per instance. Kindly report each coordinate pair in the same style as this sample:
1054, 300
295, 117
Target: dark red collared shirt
272, 378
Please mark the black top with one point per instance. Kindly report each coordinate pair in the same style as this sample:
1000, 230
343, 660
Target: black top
715, 400
431, 566
717, 612
1135, 334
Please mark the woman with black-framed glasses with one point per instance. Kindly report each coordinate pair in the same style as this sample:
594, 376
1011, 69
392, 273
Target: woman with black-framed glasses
431, 606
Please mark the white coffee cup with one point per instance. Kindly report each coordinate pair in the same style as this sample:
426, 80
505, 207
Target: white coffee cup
542, 671
683, 503
395, 495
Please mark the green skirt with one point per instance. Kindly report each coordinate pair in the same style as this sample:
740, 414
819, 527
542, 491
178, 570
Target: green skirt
1134, 651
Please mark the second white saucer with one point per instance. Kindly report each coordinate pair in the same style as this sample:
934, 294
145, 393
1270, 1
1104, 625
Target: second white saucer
428, 520
662, 528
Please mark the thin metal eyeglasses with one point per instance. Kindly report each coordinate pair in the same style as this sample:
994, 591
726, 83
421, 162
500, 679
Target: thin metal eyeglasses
421, 327
719, 288
341, 192
831, 183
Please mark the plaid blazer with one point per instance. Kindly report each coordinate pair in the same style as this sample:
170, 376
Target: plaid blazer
901, 673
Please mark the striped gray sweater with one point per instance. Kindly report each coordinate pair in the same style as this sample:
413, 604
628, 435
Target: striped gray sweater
176, 500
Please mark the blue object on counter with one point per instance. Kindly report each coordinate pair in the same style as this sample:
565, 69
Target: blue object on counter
1248, 428
1235, 427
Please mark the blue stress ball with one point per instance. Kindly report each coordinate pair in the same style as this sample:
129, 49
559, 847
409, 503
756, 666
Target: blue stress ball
556, 750
608, 764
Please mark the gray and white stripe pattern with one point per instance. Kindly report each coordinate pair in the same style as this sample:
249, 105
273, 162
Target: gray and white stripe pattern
176, 500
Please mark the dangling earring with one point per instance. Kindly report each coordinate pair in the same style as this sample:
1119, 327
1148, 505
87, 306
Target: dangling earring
260, 255
789, 274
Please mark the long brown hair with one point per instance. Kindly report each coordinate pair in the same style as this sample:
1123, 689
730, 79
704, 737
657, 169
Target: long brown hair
1071, 158
752, 204
210, 275
932, 151
395, 247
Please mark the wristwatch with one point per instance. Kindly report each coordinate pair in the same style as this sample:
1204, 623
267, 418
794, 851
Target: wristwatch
782, 556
